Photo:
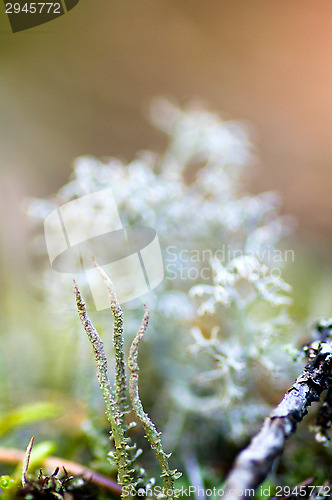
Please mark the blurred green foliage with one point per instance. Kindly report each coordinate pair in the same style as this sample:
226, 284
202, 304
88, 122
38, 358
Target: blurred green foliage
28, 414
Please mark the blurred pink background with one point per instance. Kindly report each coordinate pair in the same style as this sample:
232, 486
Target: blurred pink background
82, 85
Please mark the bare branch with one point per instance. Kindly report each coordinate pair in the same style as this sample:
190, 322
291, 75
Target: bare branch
254, 463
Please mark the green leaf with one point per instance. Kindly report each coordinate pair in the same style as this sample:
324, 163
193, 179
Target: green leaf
28, 414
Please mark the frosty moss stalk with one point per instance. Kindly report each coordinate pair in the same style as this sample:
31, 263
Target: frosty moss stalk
129, 476
152, 434
120, 371
113, 412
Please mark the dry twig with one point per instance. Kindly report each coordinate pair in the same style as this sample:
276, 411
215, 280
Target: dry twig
14, 456
254, 463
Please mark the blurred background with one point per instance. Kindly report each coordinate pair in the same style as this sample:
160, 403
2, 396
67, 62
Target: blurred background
83, 83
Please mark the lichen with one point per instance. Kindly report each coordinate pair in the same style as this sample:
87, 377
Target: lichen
125, 453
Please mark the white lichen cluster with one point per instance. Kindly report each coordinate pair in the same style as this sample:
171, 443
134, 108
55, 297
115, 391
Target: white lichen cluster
223, 307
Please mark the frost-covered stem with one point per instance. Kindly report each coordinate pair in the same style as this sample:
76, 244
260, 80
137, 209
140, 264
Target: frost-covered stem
99, 354
120, 371
114, 416
254, 463
152, 434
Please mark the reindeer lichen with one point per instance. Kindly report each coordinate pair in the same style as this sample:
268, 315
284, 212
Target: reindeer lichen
223, 276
